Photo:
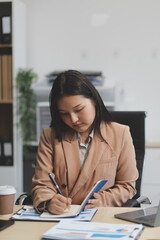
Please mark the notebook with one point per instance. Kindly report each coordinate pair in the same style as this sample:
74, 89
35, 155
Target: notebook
74, 210
147, 216
28, 213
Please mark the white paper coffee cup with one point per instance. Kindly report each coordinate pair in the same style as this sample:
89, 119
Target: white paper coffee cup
7, 196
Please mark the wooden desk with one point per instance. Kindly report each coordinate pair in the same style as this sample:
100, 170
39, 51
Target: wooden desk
26, 230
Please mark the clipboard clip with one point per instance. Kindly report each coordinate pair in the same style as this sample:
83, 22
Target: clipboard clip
20, 211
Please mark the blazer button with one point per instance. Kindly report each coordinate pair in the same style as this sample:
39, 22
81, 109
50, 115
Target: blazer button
64, 185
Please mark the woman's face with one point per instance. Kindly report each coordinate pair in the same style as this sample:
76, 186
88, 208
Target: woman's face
77, 112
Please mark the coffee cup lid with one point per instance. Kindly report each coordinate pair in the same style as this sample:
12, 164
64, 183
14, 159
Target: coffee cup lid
6, 190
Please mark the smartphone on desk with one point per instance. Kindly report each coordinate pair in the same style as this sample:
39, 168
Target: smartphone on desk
5, 223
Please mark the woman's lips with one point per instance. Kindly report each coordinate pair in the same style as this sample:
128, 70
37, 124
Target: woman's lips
78, 125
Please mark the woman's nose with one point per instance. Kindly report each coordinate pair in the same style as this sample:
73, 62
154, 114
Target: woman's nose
74, 118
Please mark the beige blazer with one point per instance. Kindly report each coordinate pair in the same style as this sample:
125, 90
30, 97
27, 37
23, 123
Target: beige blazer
113, 160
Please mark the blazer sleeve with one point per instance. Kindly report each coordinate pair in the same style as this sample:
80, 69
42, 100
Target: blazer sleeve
42, 188
126, 174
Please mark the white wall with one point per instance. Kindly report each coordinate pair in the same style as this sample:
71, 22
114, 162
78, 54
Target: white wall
121, 38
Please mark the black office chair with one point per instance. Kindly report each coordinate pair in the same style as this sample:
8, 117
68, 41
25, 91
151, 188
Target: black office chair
136, 121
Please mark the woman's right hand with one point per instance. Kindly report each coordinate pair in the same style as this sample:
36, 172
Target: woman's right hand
58, 204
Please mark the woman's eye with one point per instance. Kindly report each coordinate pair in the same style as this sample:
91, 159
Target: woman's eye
79, 110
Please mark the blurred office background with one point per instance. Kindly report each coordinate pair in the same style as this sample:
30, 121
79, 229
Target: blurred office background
118, 38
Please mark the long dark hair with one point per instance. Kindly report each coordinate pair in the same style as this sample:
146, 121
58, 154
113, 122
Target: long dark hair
70, 83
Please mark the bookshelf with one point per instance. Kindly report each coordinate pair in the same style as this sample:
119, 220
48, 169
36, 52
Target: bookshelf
13, 46
6, 93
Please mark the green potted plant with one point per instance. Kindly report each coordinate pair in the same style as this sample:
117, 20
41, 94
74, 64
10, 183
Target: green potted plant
26, 103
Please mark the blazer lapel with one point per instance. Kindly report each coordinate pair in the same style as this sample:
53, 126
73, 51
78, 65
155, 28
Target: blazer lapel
96, 150
72, 158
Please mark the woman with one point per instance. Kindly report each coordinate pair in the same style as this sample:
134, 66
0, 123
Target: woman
81, 147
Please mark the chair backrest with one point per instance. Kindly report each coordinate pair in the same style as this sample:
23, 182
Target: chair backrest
136, 121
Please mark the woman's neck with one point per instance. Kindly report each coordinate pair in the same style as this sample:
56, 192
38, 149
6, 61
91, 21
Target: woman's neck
84, 138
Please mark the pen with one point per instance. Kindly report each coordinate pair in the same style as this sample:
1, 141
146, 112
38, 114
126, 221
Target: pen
134, 233
54, 183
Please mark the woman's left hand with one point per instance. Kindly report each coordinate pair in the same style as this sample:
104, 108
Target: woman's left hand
95, 202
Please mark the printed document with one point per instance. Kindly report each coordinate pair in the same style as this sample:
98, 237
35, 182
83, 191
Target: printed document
93, 230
